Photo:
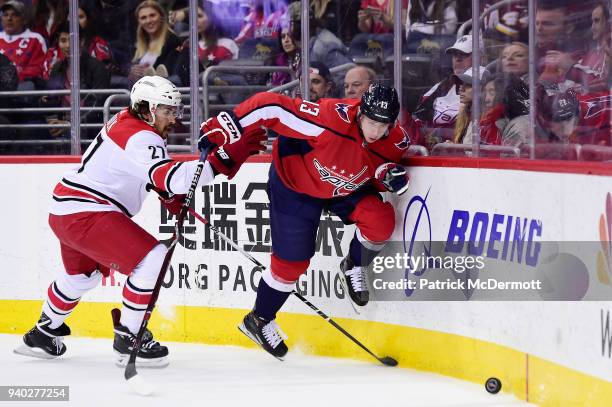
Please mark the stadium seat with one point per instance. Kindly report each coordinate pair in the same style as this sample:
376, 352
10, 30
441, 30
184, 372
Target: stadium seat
370, 48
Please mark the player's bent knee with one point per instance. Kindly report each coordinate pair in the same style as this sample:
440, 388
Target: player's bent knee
377, 224
149, 267
79, 282
283, 274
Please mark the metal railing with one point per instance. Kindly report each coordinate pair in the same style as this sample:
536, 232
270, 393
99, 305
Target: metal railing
453, 149
206, 88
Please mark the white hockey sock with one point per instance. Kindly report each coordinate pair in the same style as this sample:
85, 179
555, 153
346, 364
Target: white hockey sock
139, 286
64, 294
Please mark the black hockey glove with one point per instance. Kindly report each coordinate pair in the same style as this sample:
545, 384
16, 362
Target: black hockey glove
393, 177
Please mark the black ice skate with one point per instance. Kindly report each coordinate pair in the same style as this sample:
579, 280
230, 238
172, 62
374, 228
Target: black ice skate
44, 342
151, 353
265, 333
354, 282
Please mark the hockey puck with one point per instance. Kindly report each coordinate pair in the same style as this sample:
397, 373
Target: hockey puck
493, 385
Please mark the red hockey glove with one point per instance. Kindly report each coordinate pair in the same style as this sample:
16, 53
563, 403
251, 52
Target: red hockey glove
219, 131
227, 159
174, 203
393, 177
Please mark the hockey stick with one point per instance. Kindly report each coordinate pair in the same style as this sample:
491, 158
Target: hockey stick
386, 360
135, 381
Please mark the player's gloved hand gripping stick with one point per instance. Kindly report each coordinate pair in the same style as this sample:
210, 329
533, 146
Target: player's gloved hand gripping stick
386, 360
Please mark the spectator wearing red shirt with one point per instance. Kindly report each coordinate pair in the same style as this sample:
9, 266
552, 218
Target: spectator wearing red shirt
95, 45
592, 71
24, 48
376, 16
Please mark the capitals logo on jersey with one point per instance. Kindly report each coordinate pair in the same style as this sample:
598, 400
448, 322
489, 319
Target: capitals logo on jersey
342, 109
402, 145
344, 185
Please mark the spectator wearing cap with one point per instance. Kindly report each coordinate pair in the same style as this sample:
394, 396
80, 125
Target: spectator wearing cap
439, 106
320, 81
24, 48
357, 80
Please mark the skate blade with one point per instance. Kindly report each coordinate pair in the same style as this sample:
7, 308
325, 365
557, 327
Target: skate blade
25, 350
344, 284
245, 331
121, 360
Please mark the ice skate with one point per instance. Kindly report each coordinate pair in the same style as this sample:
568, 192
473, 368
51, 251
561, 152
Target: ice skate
151, 353
265, 333
354, 281
44, 342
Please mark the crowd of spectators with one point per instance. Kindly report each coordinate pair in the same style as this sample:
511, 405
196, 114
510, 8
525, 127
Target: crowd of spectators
121, 41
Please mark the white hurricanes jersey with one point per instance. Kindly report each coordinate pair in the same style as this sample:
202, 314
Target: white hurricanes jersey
127, 159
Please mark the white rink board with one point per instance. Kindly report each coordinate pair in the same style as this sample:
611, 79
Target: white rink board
569, 207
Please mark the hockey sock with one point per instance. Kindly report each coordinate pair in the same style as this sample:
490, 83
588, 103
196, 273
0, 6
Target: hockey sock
269, 301
64, 294
139, 287
363, 251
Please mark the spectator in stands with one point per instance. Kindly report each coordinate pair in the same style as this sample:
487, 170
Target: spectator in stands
93, 75
95, 45
516, 106
556, 51
514, 59
440, 105
463, 123
261, 22
357, 80
557, 114
323, 44
8, 83
376, 16
157, 47
48, 16
433, 17
116, 21
321, 83
493, 119
592, 71
288, 56
213, 46
24, 48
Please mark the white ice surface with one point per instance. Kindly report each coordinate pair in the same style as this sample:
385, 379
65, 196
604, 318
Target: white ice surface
204, 376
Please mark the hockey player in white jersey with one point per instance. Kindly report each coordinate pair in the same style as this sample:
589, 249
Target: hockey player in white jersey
91, 211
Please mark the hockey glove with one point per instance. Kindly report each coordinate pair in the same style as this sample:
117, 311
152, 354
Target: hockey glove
227, 159
393, 177
219, 131
173, 204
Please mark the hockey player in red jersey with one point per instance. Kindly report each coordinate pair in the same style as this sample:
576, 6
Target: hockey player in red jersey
336, 155
91, 211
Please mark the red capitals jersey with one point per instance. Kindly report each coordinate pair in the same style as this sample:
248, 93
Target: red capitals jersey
594, 122
320, 151
26, 51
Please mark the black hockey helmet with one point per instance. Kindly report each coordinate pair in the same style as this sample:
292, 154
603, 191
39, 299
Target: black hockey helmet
555, 105
516, 97
380, 103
